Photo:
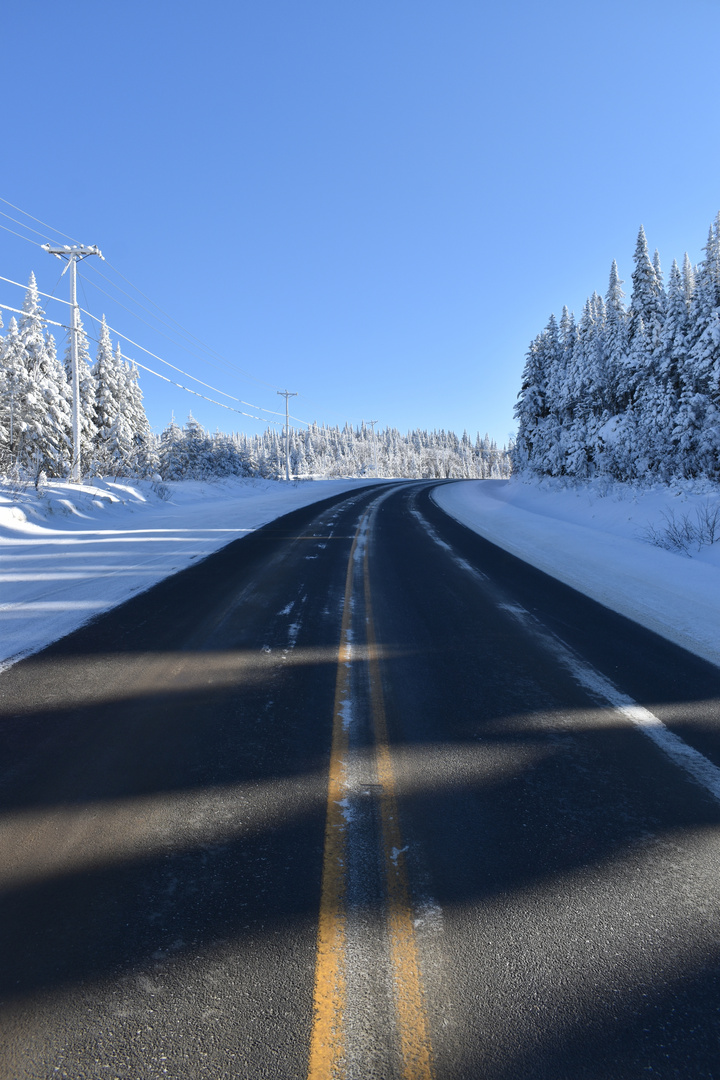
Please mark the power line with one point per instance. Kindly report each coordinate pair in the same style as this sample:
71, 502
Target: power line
40, 292
134, 314
136, 345
82, 287
178, 344
155, 329
206, 348
24, 226
188, 334
20, 235
240, 412
132, 300
17, 311
174, 366
43, 223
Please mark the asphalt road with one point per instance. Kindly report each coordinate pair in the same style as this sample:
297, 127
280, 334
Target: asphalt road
351, 797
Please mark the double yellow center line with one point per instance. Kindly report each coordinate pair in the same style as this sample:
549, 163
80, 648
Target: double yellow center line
328, 1041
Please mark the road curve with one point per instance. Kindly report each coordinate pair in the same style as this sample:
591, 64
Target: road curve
360, 795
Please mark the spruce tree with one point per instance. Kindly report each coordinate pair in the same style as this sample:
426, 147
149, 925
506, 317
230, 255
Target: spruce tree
144, 457
107, 404
170, 452
44, 408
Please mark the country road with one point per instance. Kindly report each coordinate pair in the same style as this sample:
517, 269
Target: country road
360, 795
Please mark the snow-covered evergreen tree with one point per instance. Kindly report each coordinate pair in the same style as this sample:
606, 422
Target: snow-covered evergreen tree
108, 392
144, 455
170, 452
532, 407
635, 393
616, 337
41, 395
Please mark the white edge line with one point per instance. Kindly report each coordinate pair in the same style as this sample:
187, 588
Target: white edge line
691, 761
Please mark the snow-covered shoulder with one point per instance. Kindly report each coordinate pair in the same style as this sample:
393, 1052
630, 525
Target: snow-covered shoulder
652, 554
68, 551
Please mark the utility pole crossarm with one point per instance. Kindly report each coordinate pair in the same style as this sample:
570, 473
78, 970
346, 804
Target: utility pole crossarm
78, 252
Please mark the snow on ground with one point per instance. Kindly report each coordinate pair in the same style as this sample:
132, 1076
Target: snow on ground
69, 552
593, 536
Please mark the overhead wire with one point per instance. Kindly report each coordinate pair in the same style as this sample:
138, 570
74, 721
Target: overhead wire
200, 347
240, 412
206, 348
93, 317
5, 227
185, 332
136, 345
40, 292
145, 322
162, 360
24, 226
144, 367
192, 350
18, 311
196, 352
188, 389
132, 300
43, 223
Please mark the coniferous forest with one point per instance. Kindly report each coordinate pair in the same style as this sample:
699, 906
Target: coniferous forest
117, 440
630, 392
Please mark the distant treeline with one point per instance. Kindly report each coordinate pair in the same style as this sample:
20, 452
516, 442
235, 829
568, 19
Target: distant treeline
328, 452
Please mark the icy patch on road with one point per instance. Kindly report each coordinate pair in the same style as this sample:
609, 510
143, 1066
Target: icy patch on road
429, 915
346, 809
345, 713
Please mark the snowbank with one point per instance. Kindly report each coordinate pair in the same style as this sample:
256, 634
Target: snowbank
70, 552
594, 537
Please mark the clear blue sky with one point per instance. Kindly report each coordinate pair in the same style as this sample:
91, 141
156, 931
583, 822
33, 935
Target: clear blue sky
377, 203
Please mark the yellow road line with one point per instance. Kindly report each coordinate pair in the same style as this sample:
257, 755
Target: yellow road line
327, 1046
410, 1009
